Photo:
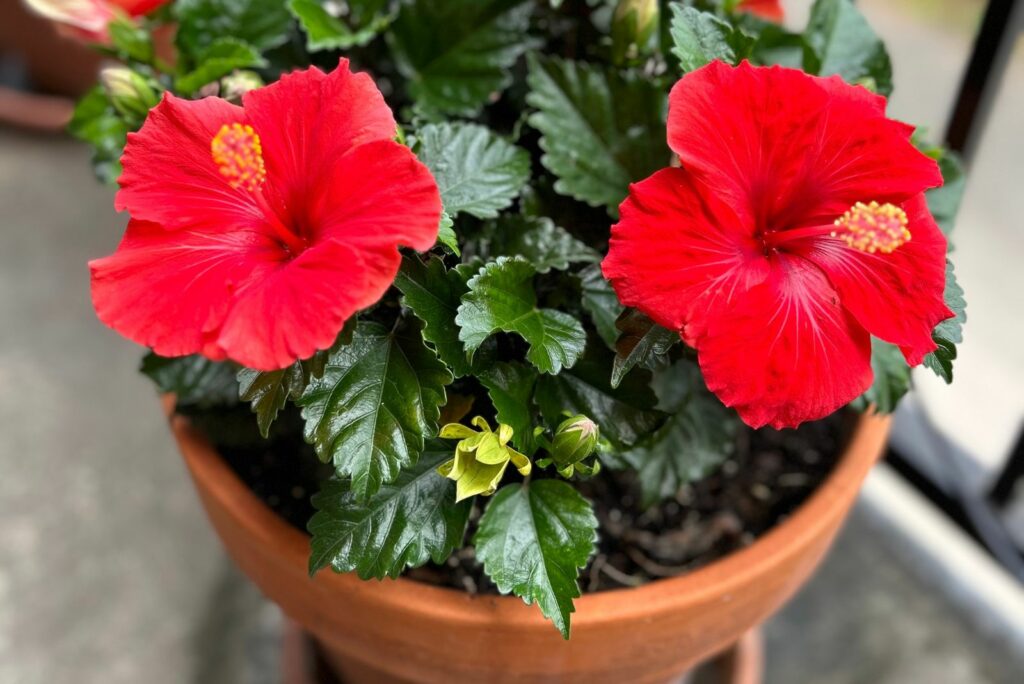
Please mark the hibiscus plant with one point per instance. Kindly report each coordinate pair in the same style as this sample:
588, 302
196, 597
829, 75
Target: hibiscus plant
561, 236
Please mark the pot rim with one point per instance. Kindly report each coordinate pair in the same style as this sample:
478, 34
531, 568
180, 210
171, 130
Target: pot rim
709, 584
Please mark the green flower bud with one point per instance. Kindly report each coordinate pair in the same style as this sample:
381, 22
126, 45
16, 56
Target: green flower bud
238, 83
131, 93
633, 24
575, 439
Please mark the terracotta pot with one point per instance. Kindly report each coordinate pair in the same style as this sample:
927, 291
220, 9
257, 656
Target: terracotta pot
404, 631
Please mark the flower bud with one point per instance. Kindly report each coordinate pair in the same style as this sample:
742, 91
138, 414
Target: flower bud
633, 24
575, 439
131, 93
238, 83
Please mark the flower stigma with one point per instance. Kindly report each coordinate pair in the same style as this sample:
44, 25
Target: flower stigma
237, 151
873, 227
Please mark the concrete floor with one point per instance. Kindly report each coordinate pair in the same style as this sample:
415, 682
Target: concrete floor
109, 573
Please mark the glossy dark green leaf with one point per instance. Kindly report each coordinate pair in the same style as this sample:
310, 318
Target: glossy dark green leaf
892, 378
195, 380
377, 401
268, 391
328, 31
264, 24
601, 302
600, 129
477, 171
532, 541
510, 387
501, 297
641, 341
538, 240
698, 436
457, 53
700, 37
948, 333
222, 57
775, 45
434, 293
842, 42
625, 414
403, 525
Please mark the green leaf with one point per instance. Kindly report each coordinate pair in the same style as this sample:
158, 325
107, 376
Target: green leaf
700, 37
600, 129
949, 332
457, 53
446, 234
501, 297
434, 294
269, 390
510, 387
842, 42
403, 525
775, 45
130, 40
641, 341
532, 541
538, 240
264, 24
625, 414
96, 122
601, 302
377, 401
326, 31
892, 378
944, 202
195, 380
222, 57
697, 438
477, 171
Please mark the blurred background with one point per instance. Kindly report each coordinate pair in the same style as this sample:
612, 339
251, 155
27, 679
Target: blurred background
109, 572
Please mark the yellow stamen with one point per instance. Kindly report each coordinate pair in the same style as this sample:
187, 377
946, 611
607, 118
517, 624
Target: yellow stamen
237, 152
873, 227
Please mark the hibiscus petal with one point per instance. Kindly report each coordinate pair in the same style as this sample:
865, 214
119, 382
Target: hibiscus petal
786, 351
794, 147
232, 295
898, 296
169, 174
171, 290
297, 308
308, 119
678, 252
378, 195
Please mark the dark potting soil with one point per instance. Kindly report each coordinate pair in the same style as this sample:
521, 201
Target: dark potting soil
770, 475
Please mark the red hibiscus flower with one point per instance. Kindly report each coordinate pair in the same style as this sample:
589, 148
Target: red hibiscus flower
796, 226
88, 19
256, 231
766, 9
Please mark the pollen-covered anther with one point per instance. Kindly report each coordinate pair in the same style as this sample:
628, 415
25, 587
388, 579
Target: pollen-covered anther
237, 151
873, 227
